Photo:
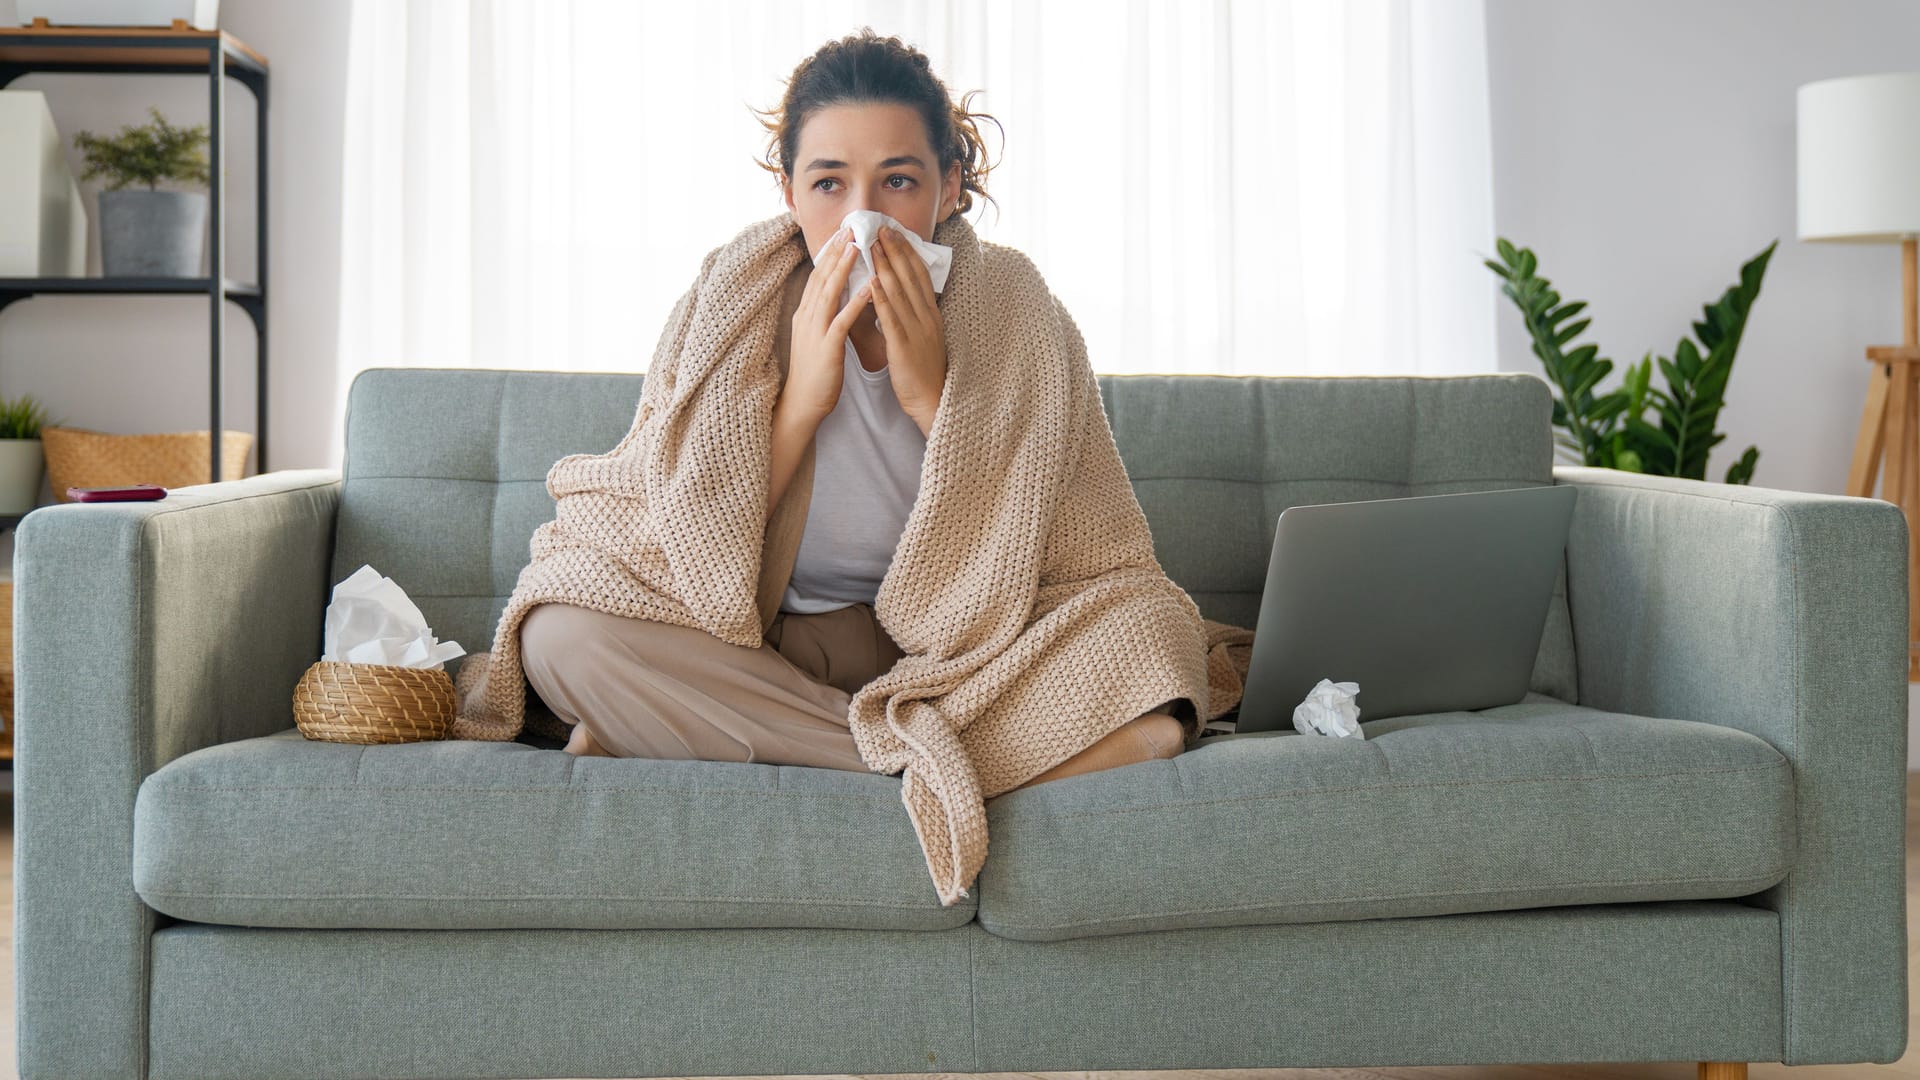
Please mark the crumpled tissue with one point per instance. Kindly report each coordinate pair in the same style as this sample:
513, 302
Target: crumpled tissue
1329, 710
371, 621
866, 225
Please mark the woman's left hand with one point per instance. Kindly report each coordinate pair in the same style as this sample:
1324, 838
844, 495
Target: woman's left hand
909, 316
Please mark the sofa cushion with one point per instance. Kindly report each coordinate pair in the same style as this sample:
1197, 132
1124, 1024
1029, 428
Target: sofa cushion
284, 831
1534, 804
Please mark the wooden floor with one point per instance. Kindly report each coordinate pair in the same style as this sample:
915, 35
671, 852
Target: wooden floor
1908, 1066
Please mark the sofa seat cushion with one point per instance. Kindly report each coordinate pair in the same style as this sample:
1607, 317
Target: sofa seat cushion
1534, 804
284, 831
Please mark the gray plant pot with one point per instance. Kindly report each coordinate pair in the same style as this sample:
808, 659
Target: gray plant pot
152, 233
22, 463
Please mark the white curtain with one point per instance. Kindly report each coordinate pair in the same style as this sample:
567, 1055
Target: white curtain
1218, 186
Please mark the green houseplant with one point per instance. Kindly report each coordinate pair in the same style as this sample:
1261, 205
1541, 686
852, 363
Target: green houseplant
22, 461
1611, 429
150, 233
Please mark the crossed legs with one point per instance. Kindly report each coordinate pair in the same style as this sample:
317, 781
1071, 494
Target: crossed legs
638, 688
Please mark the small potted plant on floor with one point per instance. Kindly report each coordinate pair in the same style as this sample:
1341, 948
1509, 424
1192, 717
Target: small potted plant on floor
21, 459
150, 233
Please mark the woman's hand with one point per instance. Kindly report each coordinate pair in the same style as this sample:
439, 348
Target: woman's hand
819, 343
909, 315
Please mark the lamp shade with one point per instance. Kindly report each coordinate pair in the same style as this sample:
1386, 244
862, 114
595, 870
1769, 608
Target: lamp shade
1859, 158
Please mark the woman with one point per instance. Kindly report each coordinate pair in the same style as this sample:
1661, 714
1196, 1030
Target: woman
865, 125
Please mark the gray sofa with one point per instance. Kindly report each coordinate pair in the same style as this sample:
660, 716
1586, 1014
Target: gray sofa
1685, 843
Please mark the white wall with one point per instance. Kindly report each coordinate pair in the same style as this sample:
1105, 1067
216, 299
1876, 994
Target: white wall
1644, 149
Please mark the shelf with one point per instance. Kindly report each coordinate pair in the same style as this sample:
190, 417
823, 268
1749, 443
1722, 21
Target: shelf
90, 48
194, 286
244, 294
180, 50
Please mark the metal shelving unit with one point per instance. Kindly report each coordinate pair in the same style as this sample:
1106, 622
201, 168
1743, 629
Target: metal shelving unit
216, 56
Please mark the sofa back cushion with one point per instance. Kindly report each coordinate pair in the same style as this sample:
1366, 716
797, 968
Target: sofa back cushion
445, 473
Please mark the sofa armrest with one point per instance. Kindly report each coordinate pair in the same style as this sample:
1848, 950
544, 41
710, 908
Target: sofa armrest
142, 631
1782, 614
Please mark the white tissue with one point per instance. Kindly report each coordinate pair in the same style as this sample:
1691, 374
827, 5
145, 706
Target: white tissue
866, 224
371, 621
1329, 710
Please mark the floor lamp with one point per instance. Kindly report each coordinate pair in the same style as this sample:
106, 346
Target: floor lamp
1859, 182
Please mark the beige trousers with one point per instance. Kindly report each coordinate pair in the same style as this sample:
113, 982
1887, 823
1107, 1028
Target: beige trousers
639, 688
649, 689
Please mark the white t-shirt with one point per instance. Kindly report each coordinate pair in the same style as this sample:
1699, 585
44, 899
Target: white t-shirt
866, 475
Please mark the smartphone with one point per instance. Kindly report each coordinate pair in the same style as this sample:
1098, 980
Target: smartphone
129, 493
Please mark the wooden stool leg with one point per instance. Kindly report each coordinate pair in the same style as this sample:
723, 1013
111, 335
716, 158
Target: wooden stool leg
1907, 450
1910, 498
1873, 435
1893, 485
1723, 1070
1911, 452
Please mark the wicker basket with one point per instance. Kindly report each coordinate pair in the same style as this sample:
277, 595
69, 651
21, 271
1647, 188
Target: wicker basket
373, 703
77, 457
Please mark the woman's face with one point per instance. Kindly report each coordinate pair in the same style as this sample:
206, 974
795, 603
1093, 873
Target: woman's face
868, 157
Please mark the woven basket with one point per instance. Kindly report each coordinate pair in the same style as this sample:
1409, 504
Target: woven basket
77, 457
373, 703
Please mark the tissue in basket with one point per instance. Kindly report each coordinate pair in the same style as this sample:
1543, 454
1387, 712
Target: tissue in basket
380, 678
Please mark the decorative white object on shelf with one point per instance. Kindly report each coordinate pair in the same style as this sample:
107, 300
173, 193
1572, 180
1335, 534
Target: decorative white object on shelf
43, 222
200, 14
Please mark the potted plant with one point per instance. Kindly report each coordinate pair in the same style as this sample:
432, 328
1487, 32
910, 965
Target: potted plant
21, 459
1610, 429
150, 233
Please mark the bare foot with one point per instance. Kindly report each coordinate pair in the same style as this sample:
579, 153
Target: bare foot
1146, 737
583, 744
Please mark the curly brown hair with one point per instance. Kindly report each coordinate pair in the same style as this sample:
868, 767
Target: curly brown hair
864, 68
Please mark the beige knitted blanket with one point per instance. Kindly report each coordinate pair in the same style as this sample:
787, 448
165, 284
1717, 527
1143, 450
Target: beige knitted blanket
1024, 590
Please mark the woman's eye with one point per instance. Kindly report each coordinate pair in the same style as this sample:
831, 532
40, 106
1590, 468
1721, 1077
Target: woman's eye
890, 179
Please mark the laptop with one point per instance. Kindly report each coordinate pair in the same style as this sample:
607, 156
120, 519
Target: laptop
1433, 603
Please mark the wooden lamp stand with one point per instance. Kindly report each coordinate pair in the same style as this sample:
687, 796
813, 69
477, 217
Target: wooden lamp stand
1891, 423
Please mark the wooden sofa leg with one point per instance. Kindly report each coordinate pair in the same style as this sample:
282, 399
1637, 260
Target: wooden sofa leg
1723, 1070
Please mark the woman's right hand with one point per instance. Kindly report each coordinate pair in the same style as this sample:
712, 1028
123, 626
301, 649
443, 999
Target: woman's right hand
819, 341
